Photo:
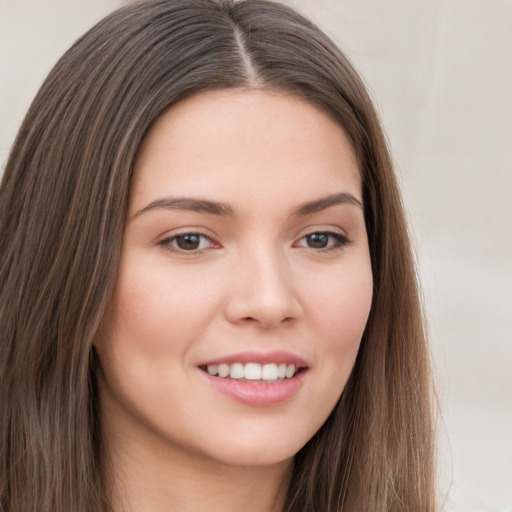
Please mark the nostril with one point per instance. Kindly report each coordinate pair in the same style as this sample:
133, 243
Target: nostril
262, 307
268, 322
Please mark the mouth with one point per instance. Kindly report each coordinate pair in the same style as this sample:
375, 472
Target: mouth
256, 379
254, 372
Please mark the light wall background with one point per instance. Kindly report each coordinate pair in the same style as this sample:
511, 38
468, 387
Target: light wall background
440, 72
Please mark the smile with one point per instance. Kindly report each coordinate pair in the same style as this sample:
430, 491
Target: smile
272, 372
257, 379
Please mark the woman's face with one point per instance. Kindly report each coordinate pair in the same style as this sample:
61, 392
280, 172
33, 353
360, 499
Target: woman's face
245, 251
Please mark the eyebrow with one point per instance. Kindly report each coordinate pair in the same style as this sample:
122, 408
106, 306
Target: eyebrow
190, 204
226, 210
326, 202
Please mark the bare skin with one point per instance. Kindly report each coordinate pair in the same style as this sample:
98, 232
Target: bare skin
245, 239
163, 481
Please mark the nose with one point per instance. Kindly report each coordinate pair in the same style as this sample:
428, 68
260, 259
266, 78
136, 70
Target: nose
262, 292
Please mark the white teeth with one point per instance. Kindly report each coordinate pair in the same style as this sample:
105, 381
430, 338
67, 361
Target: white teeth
269, 372
253, 371
223, 370
237, 371
213, 369
290, 370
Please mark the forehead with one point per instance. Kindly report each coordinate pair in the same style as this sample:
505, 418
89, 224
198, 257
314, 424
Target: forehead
236, 144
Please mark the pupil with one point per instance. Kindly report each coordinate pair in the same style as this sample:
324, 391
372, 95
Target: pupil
189, 242
318, 240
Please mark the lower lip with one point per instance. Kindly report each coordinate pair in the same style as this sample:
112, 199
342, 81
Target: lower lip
259, 393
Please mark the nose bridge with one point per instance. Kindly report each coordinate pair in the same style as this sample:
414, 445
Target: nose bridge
263, 289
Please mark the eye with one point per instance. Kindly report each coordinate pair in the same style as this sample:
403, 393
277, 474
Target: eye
324, 240
188, 243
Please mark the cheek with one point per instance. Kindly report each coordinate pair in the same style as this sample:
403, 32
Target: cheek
342, 306
145, 337
339, 308
156, 311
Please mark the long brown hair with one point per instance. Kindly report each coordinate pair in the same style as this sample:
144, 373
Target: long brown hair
63, 203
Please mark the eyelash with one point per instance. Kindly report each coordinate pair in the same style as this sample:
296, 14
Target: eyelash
340, 241
166, 243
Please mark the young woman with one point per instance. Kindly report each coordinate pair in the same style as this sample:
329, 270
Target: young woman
208, 299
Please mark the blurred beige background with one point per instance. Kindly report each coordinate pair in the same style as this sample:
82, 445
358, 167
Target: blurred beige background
440, 72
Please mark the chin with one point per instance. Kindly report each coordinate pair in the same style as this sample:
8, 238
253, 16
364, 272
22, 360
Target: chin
257, 456
268, 448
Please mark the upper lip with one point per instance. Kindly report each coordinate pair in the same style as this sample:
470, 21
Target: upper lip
276, 356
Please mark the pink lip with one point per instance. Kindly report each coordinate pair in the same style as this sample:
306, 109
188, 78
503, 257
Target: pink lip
258, 393
277, 356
